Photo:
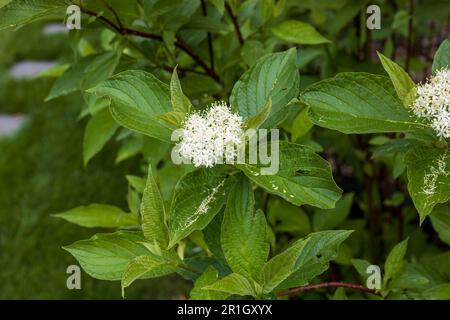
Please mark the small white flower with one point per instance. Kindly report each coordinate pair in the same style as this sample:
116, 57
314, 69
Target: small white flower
433, 102
211, 136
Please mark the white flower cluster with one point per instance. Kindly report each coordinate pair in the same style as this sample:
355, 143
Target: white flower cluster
433, 102
211, 137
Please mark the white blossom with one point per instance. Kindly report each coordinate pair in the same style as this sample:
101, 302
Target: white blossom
212, 136
433, 102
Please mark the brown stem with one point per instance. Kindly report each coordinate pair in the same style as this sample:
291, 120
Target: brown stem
183, 46
116, 16
179, 43
235, 22
410, 34
327, 285
210, 41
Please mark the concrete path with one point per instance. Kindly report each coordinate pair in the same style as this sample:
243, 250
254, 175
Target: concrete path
28, 69
10, 123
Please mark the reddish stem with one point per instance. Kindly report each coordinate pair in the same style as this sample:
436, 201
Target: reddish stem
327, 285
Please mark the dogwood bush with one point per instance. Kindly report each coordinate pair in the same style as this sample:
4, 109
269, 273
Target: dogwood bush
362, 177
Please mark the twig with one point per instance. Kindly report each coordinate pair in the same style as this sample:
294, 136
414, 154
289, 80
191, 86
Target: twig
102, 19
410, 34
327, 285
179, 43
183, 46
235, 22
210, 42
114, 13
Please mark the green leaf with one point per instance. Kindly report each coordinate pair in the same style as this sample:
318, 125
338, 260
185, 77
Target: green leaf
303, 177
99, 130
106, 255
145, 267
136, 89
173, 118
393, 146
128, 149
437, 265
137, 99
212, 236
439, 292
394, 263
285, 217
361, 266
209, 24
339, 294
428, 177
152, 211
319, 250
305, 274
298, 32
274, 75
325, 219
243, 234
98, 216
219, 4
411, 277
440, 218
208, 277
70, 80
85, 74
198, 197
442, 56
21, 12
252, 50
234, 284
101, 68
180, 102
147, 124
403, 84
358, 103
301, 125
4, 3
298, 255
136, 182
256, 121
344, 15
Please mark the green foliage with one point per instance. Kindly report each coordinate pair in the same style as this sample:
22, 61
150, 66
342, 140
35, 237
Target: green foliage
303, 177
209, 276
442, 57
98, 215
250, 94
440, 219
198, 197
243, 234
145, 267
39, 167
152, 211
403, 84
21, 12
100, 128
298, 32
428, 177
105, 256
394, 262
249, 229
358, 103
